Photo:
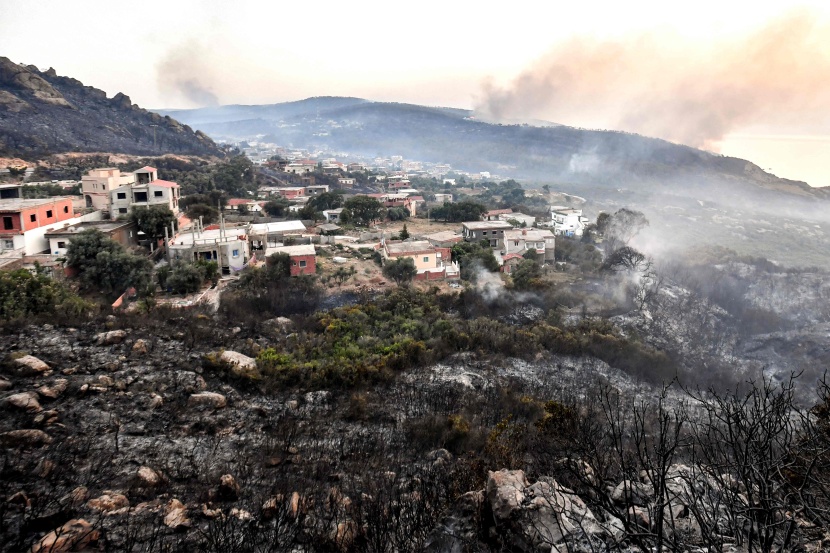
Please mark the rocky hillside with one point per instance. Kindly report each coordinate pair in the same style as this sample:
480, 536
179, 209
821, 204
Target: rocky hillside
43, 113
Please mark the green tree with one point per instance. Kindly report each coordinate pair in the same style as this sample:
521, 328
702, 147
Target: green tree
470, 257
185, 278
276, 207
207, 213
104, 266
326, 200
404, 232
23, 294
152, 220
402, 270
398, 214
526, 275
364, 210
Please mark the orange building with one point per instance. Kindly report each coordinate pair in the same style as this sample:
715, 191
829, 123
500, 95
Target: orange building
23, 223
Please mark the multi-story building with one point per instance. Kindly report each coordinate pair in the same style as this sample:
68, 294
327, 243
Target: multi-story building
567, 221
520, 241
23, 223
226, 246
146, 191
492, 231
97, 185
123, 232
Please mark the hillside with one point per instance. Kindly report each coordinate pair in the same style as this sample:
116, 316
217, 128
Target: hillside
43, 113
541, 153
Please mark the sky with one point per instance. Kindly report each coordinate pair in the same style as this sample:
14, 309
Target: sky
711, 74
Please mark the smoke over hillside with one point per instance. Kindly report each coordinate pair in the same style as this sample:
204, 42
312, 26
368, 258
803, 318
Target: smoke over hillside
187, 71
692, 95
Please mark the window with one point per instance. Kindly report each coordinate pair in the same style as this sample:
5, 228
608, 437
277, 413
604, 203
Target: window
426, 259
158, 193
302, 263
61, 244
66, 209
7, 223
236, 253
33, 217
484, 233
122, 210
122, 195
141, 196
48, 213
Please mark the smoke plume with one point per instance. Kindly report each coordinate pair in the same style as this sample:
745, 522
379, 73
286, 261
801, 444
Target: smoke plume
688, 93
186, 72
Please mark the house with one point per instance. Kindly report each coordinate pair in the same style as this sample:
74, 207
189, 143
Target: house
492, 231
227, 246
520, 241
291, 192
23, 223
443, 198
300, 167
431, 262
332, 215
251, 205
521, 218
146, 190
123, 232
316, 189
509, 262
269, 235
567, 221
303, 258
356, 168
328, 229
444, 239
346, 182
495, 214
11, 191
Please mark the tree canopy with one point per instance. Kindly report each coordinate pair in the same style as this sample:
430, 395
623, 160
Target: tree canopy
152, 220
364, 210
402, 270
105, 266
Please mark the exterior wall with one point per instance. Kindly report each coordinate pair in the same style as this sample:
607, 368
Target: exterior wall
120, 206
221, 252
290, 193
426, 260
493, 236
297, 262
98, 183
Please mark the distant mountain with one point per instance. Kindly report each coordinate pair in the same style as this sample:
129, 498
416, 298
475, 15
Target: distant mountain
549, 153
42, 113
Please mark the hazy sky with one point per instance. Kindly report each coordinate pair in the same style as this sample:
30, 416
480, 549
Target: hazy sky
693, 72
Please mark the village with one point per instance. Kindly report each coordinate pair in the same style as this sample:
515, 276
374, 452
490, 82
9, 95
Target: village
400, 218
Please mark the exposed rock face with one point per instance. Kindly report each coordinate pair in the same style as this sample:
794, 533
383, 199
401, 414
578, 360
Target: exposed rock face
148, 476
504, 492
75, 535
112, 337
54, 390
109, 501
41, 113
228, 489
25, 438
176, 515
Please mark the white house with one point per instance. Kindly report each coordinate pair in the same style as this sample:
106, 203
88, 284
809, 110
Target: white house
147, 190
228, 247
566, 221
520, 241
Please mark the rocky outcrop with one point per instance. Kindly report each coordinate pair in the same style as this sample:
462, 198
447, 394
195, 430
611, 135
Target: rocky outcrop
207, 399
43, 113
175, 515
25, 438
29, 364
239, 364
24, 400
111, 338
75, 535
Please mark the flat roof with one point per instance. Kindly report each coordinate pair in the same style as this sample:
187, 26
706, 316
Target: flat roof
444, 236
303, 249
103, 226
282, 226
487, 225
16, 204
403, 248
528, 234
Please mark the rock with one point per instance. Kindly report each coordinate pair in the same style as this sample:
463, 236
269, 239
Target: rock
75, 535
240, 514
155, 401
78, 496
148, 477
31, 364
320, 397
344, 535
240, 365
175, 516
24, 400
4, 384
55, 389
295, 504
639, 517
111, 338
46, 417
210, 513
228, 489
108, 501
631, 492
207, 399
18, 498
25, 438
272, 507
504, 491
44, 468
140, 347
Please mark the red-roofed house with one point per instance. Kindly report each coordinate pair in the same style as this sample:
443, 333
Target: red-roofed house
251, 205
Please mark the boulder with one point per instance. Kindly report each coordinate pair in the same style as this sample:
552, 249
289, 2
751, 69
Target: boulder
504, 492
228, 489
175, 516
148, 477
54, 390
24, 400
111, 338
4, 384
75, 535
629, 492
239, 364
140, 347
31, 364
25, 438
207, 399
108, 501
